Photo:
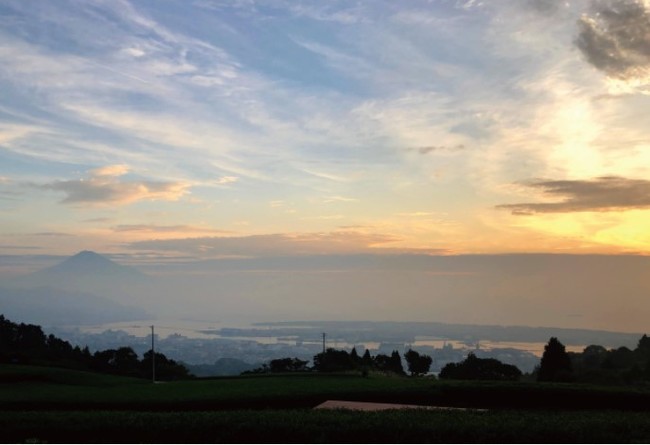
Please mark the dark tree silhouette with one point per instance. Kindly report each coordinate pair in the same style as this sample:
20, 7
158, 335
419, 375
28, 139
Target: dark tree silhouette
620, 358
355, 357
593, 356
366, 360
166, 369
333, 360
288, 365
556, 364
392, 363
366, 363
381, 362
417, 364
122, 361
396, 363
474, 368
643, 348
27, 344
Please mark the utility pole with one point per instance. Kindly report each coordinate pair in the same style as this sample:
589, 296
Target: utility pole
153, 358
323, 343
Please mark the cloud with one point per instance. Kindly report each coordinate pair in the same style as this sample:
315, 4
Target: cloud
110, 170
545, 7
283, 244
104, 186
431, 148
331, 199
606, 193
55, 234
153, 228
615, 38
226, 180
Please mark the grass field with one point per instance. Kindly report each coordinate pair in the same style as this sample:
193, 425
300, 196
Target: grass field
54, 405
308, 426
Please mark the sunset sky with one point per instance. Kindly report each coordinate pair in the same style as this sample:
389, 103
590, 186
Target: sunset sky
232, 128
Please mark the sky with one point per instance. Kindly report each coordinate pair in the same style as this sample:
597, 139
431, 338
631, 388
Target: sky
210, 129
174, 134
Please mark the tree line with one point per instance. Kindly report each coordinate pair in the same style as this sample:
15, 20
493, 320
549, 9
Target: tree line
27, 344
334, 360
595, 364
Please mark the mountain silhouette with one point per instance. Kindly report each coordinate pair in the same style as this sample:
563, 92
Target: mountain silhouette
87, 272
87, 265
84, 288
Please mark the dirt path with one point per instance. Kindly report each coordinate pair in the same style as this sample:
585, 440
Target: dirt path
370, 406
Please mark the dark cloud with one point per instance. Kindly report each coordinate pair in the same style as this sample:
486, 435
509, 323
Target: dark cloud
340, 242
607, 193
615, 38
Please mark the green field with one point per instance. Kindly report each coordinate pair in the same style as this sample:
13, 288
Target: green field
54, 405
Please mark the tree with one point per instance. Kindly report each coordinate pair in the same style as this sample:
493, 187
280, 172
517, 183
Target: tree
593, 356
333, 360
396, 363
392, 363
643, 347
474, 368
620, 358
126, 361
354, 357
417, 364
642, 353
287, 365
556, 364
381, 362
166, 369
366, 360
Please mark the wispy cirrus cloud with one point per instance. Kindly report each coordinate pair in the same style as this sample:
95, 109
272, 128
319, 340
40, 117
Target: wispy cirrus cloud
104, 186
607, 193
